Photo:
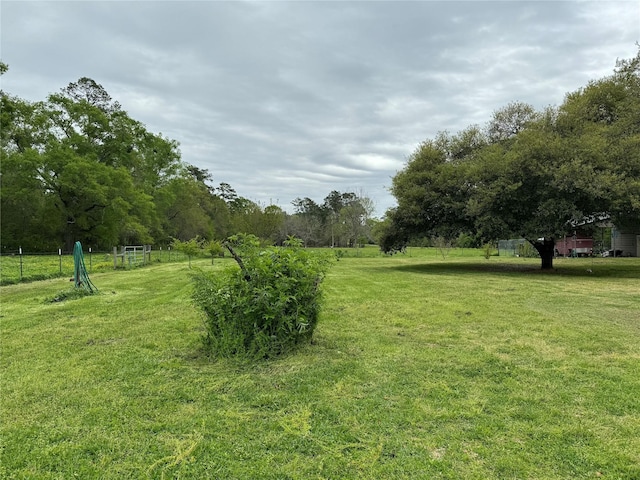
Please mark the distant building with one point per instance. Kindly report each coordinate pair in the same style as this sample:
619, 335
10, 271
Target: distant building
625, 244
574, 246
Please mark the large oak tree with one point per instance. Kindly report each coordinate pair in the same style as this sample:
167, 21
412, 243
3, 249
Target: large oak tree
77, 167
529, 174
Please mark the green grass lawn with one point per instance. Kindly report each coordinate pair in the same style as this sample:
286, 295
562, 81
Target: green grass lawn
421, 367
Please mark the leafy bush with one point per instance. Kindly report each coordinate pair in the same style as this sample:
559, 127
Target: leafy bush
268, 305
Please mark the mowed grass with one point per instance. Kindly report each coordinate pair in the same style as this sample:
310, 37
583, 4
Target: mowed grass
27, 268
421, 367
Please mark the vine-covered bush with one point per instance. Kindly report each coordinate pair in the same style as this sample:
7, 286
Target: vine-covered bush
268, 305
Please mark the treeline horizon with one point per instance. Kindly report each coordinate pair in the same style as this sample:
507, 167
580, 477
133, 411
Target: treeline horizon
77, 167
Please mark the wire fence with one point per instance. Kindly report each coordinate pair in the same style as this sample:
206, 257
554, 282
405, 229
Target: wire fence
19, 266
516, 247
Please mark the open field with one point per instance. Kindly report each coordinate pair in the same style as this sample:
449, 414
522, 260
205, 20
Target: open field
421, 367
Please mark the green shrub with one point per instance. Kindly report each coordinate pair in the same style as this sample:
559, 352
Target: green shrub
268, 305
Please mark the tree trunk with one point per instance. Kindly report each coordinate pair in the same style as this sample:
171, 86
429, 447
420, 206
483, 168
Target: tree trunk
69, 237
546, 250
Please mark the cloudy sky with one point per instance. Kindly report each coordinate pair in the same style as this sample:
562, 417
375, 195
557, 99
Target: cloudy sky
295, 99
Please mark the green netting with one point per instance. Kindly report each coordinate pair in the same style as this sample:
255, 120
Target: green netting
80, 275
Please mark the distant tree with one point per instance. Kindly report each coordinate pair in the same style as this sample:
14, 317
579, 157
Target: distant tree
266, 223
226, 192
214, 248
183, 203
191, 248
334, 217
245, 215
308, 221
355, 217
342, 219
201, 175
271, 228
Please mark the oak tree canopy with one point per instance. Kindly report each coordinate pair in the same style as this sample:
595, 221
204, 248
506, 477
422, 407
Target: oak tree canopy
530, 174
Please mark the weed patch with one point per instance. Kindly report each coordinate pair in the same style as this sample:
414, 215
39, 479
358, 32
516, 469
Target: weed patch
69, 294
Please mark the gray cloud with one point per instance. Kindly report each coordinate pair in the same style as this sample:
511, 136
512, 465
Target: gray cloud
294, 99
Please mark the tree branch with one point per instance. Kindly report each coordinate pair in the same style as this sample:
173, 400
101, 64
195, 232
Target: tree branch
238, 260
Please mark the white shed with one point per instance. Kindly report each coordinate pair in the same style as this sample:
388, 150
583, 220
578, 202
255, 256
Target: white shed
628, 242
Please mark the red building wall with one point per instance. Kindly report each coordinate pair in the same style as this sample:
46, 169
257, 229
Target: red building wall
582, 245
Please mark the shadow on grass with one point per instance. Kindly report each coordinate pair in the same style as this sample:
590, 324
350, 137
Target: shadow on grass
623, 268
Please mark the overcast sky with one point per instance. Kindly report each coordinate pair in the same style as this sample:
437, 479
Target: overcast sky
296, 99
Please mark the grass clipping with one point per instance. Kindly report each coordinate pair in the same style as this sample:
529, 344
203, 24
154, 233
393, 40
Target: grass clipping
70, 294
266, 307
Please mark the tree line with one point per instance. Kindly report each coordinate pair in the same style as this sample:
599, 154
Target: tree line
77, 167
530, 174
